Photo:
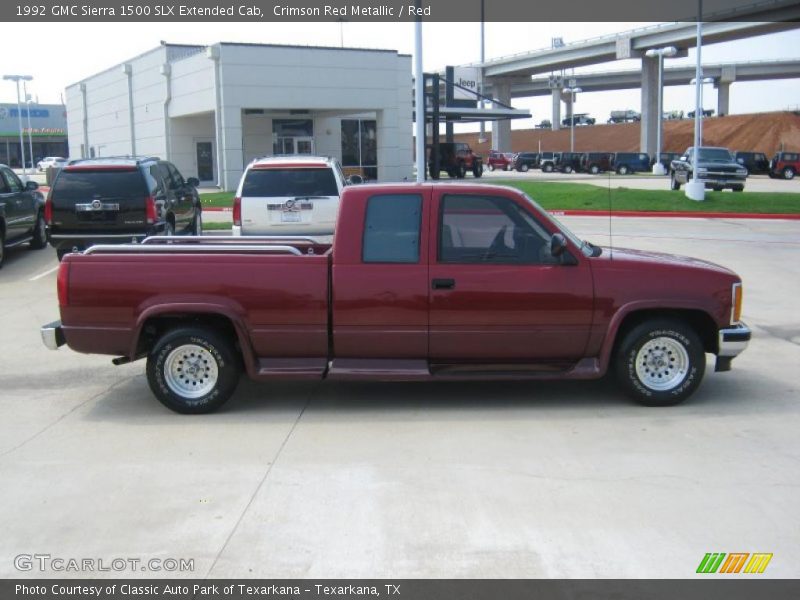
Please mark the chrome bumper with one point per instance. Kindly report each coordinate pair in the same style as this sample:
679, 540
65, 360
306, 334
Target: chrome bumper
53, 335
733, 340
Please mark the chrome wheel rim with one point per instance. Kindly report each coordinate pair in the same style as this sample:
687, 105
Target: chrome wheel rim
191, 371
662, 364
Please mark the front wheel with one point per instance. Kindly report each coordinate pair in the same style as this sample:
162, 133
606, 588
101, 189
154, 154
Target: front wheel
477, 171
594, 169
788, 173
660, 362
197, 224
39, 239
192, 370
548, 168
461, 171
524, 168
622, 170
674, 184
568, 169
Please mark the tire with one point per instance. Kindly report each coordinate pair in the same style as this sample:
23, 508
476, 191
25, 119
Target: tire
622, 170
491, 167
507, 168
718, 189
674, 184
197, 223
451, 173
169, 229
39, 239
788, 173
738, 188
2, 247
62, 252
461, 171
215, 367
568, 169
660, 362
477, 171
524, 167
594, 169
547, 168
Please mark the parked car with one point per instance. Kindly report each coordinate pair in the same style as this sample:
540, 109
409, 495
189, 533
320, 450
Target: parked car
288, 195
756, 163
548, 161
118, 199
569, 162
596, 162
707, 112
544, 124
21, 213
525, 161
580, 119
57, 162
455, 159
501, 160
785, 165
716, 168
422, 282
624, 116
666, 159
671, 115
630, 162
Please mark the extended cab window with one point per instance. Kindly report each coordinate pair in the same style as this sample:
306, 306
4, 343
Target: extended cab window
490, 230
391, 229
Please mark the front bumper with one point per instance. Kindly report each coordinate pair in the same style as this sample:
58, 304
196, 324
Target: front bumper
713, 180
732, 342
53, 335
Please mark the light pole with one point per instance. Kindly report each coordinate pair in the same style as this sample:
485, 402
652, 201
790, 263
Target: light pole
17, 79
661, 53
28, 102
696, 189
572, 91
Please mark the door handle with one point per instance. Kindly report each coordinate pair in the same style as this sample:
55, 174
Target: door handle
443, 284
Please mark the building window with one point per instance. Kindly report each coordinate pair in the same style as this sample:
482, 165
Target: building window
287, 132
391, 231
360, 147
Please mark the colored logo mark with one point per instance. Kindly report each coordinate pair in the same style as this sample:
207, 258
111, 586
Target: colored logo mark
735, 562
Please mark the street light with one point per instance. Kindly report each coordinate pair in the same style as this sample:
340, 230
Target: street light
696, 189
28, 102
661, 53
572, 91
16, 79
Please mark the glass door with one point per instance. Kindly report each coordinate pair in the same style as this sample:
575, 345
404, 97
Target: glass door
304, 145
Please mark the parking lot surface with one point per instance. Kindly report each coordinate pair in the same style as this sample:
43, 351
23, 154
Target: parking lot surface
412, 480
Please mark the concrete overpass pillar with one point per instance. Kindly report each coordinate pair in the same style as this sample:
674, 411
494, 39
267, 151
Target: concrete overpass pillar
556, 119
501, 130
723, 98
650, 91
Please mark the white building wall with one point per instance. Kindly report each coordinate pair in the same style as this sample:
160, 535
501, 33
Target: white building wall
185, 133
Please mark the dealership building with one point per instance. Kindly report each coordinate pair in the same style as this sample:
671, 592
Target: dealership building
44, 128
212, 109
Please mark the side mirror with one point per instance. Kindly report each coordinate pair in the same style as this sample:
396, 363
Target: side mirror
558, 244
193, 181
31, 185
355, 180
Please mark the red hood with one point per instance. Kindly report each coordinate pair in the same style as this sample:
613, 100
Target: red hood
631, 256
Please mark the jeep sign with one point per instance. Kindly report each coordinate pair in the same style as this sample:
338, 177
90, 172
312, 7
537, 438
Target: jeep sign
467, 81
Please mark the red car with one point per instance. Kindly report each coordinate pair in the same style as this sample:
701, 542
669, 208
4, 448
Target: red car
422, 281
784, 165
501, 160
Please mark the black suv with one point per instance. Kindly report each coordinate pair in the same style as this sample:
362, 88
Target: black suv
21, 213
596, 162
569, 162
118, 200
756, 163
631, 162
526, 161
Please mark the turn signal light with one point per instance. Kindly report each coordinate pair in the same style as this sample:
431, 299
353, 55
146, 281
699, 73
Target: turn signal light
150, 210
736, 311
237, 211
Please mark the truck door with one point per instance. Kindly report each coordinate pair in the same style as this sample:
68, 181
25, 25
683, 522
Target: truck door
380, 278
18, 205
496, 293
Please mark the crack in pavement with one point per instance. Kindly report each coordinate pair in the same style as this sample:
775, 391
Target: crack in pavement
65, 415
263, 480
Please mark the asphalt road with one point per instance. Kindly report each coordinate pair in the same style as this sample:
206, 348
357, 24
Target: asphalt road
412, 480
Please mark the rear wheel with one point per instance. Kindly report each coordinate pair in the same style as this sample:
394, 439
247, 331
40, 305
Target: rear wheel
623, 169
197, 224
548, 168
660, 362
568, 169
477, 170
524, 168
461, 171
39, 239
788, 173
594, 169
193, 370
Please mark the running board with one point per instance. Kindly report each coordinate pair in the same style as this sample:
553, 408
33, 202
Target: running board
381, 369
19, 242
291, 368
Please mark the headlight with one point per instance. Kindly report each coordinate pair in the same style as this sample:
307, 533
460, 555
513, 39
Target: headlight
736, 303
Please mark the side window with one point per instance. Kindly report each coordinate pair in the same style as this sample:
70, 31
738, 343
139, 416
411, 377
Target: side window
12, 181
177, 178
391, 229
155, 181
166, 176
490, 230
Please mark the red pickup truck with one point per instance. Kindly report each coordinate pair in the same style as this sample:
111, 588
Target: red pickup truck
422, 281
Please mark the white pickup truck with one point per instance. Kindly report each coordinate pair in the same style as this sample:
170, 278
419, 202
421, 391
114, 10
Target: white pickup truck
288, 195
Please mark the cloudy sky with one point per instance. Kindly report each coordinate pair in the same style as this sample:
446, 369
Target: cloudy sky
57, 55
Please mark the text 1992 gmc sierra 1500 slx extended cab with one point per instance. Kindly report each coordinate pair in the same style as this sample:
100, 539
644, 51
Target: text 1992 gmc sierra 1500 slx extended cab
442, 281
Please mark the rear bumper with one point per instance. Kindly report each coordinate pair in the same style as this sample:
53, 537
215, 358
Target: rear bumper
84, 240
53, 335
733, 340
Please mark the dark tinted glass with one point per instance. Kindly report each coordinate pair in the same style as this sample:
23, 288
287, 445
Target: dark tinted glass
290, 182
80, 185
391, 231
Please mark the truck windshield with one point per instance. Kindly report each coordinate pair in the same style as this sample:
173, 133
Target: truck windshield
295, 182
715, 154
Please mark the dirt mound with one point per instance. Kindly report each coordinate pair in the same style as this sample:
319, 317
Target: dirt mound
759, 132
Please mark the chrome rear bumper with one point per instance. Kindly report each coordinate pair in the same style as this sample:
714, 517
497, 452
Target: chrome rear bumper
53, 335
